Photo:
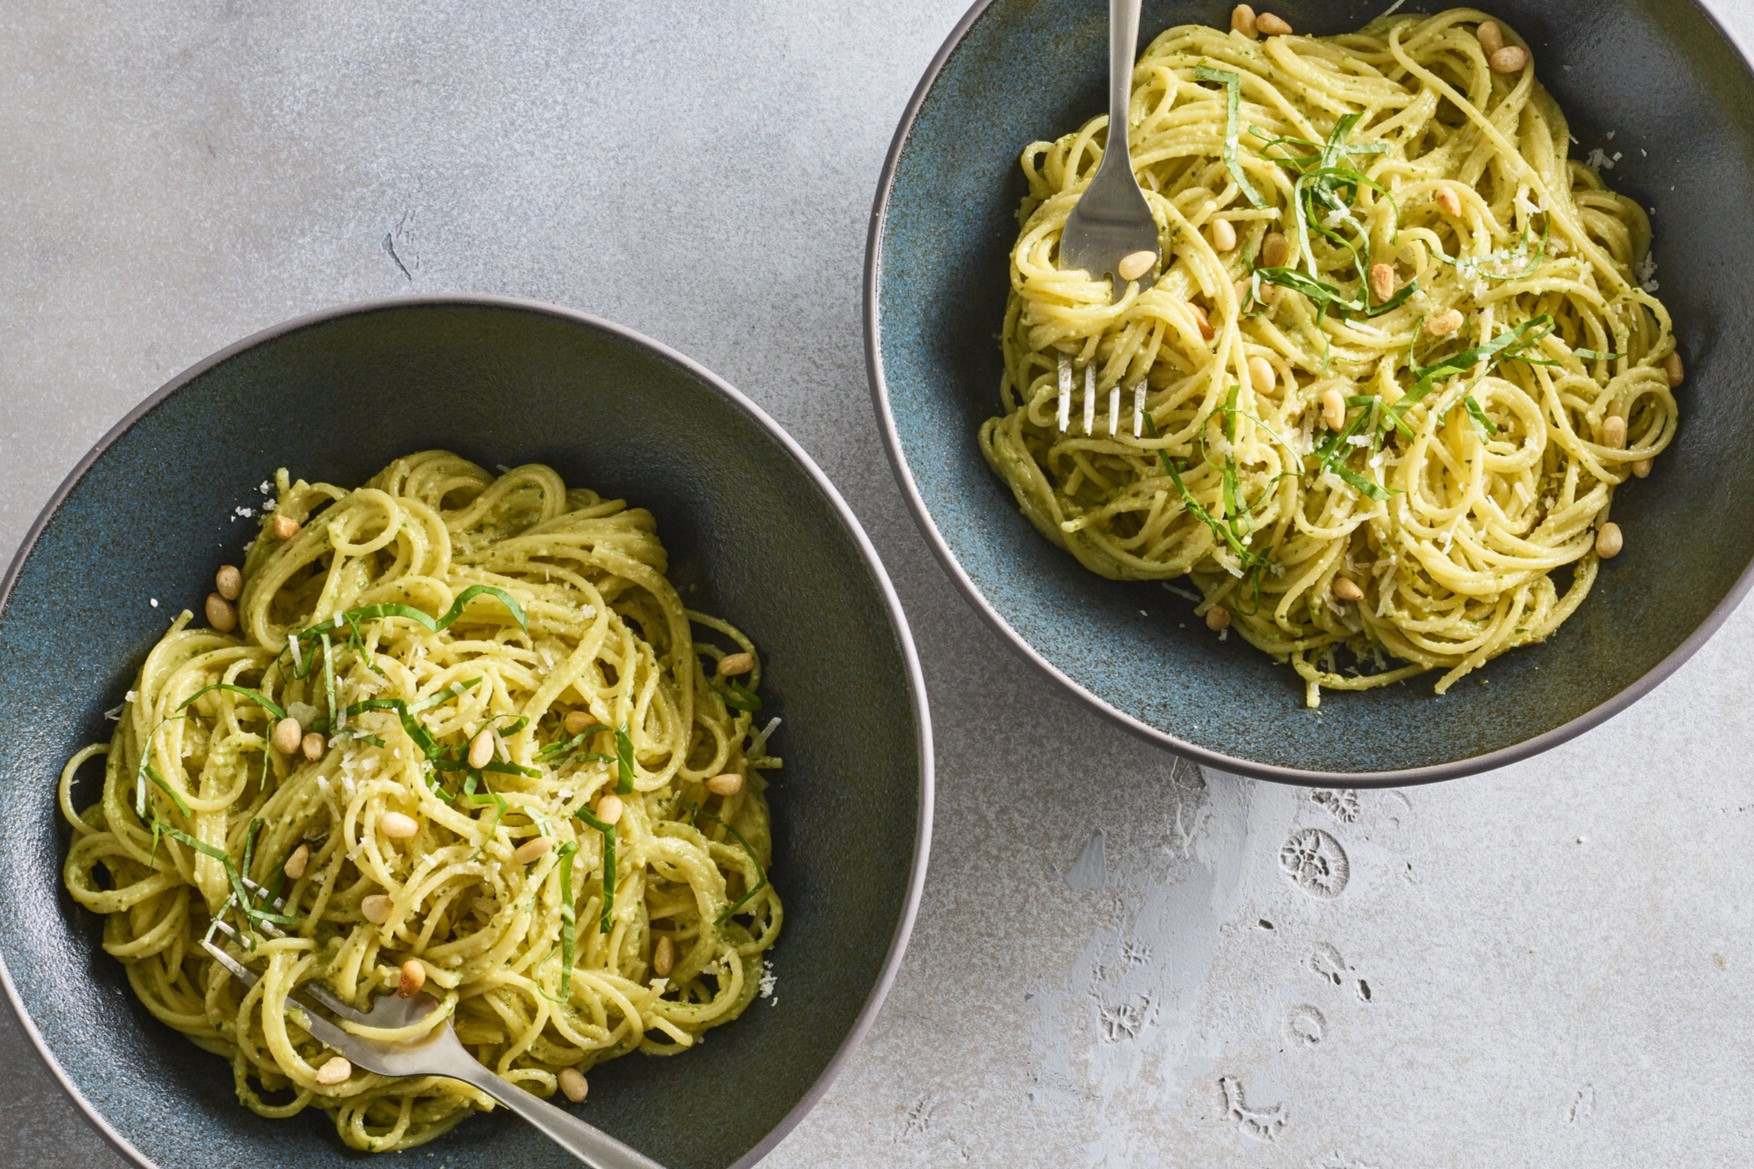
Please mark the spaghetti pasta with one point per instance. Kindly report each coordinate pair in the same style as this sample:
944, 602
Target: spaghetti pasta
1411, 250
401, 623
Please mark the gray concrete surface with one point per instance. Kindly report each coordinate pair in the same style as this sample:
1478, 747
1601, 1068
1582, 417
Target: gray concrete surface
1115, 964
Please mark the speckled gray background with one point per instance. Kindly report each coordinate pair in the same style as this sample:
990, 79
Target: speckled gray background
1114, 965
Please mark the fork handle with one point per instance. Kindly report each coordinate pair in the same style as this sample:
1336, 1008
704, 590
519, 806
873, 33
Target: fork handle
593, 1146
1123, 44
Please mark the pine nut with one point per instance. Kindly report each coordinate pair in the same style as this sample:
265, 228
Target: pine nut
1641, 469
228, 582
1609, 541
220, 613
375, 908
576, 721
532, 849
609, 808
1217, 618
284, 526
481, 748
663, 957
1242, 20
1202, 321
1491, 36
1269, 25
728, 784
1333, 408
573, 1085
1382, 281
1135, 264
1510, 59
1448, 201
1223, 235
1346, 589
411, 978
1672, 368
313, 746
335, 1070
1275, 250
1614, 431
735, 665
288, 736
1444, 323
296, 863
1261, 374
398, 826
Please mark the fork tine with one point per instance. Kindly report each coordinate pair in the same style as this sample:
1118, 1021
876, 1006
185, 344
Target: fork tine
320, 1029
279, 903
326, 998
1090, 398
1065, 393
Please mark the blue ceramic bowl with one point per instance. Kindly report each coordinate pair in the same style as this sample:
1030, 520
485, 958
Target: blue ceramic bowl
1660, 73
753, 528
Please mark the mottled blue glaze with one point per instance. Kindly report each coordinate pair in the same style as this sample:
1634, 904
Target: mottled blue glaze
1660, 73
755, 532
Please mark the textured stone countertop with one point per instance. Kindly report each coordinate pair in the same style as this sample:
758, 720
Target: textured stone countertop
1115, 964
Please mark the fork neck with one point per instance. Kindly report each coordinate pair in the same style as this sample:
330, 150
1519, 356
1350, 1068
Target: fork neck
1123, 44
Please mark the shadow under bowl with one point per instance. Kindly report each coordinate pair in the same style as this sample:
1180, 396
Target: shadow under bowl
1678, 97
755, 533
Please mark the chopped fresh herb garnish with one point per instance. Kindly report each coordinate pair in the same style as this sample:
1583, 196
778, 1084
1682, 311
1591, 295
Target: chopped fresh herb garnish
1232, 104
159, 782
1331, 455
351, 618
1220, 531
256, 696
454, 690
1596, 355
563, 749
568, 921
1326, 296
240, 894
761, 881
608, 832
1478, 414
1509, 345
623, 760
1323, 194
483, 798
737, 696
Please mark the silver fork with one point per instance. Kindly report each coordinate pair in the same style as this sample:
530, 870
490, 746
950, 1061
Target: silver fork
1067, 393
440, 1054
1111, 230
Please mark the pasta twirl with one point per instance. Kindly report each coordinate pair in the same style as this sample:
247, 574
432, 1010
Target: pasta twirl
1382, 413
403, 621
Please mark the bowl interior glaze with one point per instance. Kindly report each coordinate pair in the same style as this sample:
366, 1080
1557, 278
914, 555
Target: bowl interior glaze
1662, 75
754, 533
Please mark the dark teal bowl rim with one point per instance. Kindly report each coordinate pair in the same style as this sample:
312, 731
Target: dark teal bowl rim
1300, 776
897, 618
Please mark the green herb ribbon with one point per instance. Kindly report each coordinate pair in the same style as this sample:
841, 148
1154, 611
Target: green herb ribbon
1232, 105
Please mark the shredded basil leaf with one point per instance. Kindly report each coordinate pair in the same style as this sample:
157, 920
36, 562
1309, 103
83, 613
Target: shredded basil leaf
1507, 346
1478, 414
1232, 105
623, 760
737, 696
568, 919
761, 882
1220, 531
256, 696
608, 832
